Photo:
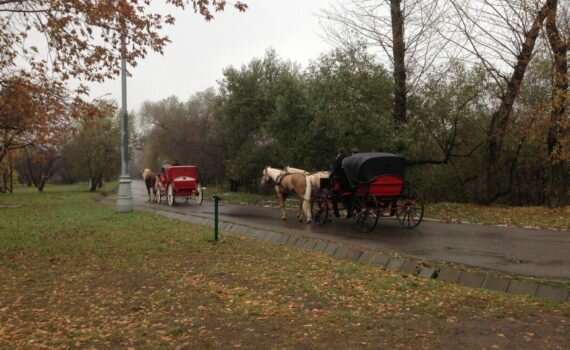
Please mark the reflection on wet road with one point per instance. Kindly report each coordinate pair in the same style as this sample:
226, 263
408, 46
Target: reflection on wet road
520, 251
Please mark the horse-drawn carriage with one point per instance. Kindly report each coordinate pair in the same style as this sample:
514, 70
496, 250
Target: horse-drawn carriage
371, 185
179, 181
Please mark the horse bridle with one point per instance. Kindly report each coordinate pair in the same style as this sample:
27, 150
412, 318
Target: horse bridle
277, 181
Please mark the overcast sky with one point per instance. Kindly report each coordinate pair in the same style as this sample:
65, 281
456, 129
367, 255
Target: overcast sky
200, 50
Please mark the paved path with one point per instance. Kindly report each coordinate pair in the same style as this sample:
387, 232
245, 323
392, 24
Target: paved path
527, 252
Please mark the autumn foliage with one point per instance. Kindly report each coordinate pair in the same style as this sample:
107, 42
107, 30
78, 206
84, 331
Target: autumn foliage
46, 44
37, 113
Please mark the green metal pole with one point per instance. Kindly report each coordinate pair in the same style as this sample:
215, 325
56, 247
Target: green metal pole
216, 236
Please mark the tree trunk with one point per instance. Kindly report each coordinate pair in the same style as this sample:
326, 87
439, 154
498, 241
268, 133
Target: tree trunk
10, 174
3, 186
500, 119
93, 184
42, 184
399, 52
557, 183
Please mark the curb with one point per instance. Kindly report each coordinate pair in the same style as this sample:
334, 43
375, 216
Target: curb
464, 278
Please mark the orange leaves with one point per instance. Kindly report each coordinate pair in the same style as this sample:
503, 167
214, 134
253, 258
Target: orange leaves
74, 30
83, 41
38, 111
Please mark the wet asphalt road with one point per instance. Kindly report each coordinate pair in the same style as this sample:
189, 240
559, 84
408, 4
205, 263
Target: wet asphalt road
527, 252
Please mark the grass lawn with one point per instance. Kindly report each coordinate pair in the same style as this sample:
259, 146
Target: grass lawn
75, 274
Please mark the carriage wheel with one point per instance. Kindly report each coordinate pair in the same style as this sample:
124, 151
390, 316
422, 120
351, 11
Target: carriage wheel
365, 213
200, 194
320, 210
170, 195
410, 208
158, 195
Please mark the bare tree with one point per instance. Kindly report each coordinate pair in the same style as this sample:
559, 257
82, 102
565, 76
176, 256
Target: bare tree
501, 35
404, 34
38, 164
558, 178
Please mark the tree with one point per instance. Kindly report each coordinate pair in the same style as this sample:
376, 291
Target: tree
7, 175
406, 33
443, 133
32, 114
184, 131
93, 152
558, 182
166, 138
249, 96
82, 39
499, 31
349, 104
38, 164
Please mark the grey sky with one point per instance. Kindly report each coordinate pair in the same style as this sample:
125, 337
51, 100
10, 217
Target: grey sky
200, 50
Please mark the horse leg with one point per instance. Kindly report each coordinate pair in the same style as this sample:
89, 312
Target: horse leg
300, 213
282, 198
307, 199
283, 212
307, 208
156, 188
148, 191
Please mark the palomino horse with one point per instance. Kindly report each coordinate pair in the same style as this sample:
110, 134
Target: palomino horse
149, 178
286, 183
315, 178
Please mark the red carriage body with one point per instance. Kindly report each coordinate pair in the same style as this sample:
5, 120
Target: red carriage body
179, 181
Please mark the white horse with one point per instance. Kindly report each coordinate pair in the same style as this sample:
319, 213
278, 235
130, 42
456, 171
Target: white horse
315, 178
287, 183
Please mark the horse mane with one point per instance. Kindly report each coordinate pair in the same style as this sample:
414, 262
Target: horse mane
322, 173
273, 172
292, 170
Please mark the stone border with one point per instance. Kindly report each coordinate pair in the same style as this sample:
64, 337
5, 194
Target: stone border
393, 263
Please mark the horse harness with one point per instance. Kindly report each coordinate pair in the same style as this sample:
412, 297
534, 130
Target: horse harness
279, 179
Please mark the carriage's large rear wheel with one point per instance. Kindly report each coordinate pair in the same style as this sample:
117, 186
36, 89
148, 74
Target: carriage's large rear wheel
170, 195
199, 194
365, 213
320, 210
410, 208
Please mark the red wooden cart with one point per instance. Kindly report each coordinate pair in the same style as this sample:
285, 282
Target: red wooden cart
179, 181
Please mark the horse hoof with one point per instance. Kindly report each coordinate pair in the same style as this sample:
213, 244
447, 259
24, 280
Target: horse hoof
308, 221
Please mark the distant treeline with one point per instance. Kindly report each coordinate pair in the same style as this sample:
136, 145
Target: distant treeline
272, 112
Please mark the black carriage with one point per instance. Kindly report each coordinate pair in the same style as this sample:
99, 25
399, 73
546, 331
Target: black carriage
368, 186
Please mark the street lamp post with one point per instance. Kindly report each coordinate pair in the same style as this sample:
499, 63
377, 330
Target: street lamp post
125, 195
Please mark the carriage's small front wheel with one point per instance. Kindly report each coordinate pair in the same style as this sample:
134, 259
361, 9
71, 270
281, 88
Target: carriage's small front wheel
158, 196
320, 210
199, 195
410, 208
170, 195
365, 213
